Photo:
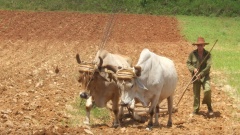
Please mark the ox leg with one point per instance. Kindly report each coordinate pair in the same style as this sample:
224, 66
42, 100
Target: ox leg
135, 115
170, 107
121, 113
151, 112
115, 108
152, 109
156, 123
89, 105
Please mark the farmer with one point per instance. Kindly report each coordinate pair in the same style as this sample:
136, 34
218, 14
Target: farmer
199, 66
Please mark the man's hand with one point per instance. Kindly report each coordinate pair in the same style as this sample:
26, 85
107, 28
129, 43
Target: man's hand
195, 71
198, 76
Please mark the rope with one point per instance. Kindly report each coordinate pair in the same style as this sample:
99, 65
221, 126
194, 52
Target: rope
109, 26
125, 74
87, 67
91, 68
107, 32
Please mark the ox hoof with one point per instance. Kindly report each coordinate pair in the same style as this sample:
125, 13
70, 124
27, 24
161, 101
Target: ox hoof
142, 120
150, 124
169, 124
149, 128
156, 124
116, 125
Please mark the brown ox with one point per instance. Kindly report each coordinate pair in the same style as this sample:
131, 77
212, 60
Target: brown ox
96, 84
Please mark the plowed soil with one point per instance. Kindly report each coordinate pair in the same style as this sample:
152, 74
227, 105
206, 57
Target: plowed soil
34, 99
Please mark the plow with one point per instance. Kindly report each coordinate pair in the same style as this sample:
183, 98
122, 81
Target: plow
139, 108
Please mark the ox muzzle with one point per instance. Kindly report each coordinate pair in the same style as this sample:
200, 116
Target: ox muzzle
124, 104
84, 95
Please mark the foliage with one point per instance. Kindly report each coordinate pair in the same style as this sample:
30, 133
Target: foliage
229, 8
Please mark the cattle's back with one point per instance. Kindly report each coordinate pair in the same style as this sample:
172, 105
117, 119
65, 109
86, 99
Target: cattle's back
157, 71
108, 90
113, 59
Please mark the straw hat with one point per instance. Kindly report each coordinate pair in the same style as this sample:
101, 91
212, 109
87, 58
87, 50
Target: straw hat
200, 41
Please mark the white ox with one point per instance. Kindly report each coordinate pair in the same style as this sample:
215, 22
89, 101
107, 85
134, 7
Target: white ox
96, 84
154, 79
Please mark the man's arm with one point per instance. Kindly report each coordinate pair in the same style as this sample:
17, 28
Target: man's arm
190, 63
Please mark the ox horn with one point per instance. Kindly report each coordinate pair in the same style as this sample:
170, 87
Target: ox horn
78, 59
100, 63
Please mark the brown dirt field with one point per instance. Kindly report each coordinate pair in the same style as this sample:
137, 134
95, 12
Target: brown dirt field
35, 100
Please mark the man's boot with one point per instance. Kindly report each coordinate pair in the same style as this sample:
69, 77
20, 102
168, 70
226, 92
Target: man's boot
210, 111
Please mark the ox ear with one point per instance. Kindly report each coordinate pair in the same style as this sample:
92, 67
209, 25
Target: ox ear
112, 77
111, 68
111, 72
107, 76
138, 70
78, 59
104, 76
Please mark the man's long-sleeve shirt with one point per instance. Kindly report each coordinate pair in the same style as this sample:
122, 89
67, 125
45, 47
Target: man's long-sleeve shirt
194, 61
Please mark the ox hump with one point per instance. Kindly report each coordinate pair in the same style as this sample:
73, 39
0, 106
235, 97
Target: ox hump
144, 56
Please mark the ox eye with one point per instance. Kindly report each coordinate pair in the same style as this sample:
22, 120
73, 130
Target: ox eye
129, 84
102, 74
79, 80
